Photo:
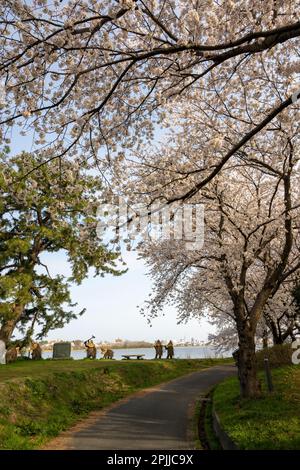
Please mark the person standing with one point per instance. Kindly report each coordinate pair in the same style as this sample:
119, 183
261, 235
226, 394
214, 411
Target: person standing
90, 348
170, 349
158, 349
36, 351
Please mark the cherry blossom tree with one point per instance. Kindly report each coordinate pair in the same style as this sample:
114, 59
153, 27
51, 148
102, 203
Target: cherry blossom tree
225, 338
91, 76
251, 248
279, 324
281, 315
251, 205
216, 83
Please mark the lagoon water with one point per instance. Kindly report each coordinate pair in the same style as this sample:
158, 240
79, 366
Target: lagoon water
181, 352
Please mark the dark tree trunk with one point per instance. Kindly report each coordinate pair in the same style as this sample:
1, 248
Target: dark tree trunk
8, 326
277, 340
265, 339
247, 373
6, 331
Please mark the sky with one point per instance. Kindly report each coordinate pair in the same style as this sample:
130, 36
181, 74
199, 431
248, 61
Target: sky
112, 302
112, 307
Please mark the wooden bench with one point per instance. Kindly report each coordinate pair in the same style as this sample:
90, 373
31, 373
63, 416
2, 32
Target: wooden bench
136, 356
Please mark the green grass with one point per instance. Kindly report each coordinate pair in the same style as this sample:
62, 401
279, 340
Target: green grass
23, 369
270, 422
40, 399
195, 424
212, 439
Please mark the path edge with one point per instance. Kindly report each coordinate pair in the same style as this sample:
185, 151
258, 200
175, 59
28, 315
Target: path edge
60, 442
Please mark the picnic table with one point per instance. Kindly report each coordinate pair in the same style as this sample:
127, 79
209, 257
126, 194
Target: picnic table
136, 356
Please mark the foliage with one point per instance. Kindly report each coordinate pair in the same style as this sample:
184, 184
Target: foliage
89, 76
249, 255
278, 355
44, 214
271, 422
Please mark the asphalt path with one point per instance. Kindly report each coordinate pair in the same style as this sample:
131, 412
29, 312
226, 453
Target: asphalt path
157, 418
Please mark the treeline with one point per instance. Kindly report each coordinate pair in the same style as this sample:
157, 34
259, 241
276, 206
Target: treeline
131, 344
77, 344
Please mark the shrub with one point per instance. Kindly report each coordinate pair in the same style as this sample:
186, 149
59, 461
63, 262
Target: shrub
278, 355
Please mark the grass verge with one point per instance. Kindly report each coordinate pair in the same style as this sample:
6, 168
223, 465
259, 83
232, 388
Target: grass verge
207, 438
40, 399
213, 441
270, 422
196, 421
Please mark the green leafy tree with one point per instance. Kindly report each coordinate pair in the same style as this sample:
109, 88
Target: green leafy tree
45, 213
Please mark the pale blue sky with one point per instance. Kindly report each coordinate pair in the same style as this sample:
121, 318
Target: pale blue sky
112, 312
111, 302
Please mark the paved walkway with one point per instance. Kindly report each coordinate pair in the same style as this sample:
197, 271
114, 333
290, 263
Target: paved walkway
157, 418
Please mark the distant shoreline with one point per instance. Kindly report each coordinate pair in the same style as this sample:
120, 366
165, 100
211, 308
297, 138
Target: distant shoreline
130, 347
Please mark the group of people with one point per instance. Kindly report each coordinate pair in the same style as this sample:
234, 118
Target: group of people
159, 349
12, 353
91, 351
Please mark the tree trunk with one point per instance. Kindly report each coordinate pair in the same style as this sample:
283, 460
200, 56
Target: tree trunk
265, 339
277, 340
247, 373
6, 330
8, 326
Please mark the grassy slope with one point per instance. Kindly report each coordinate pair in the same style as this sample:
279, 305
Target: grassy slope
212, 439
23, 369
40, 399
271, 422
